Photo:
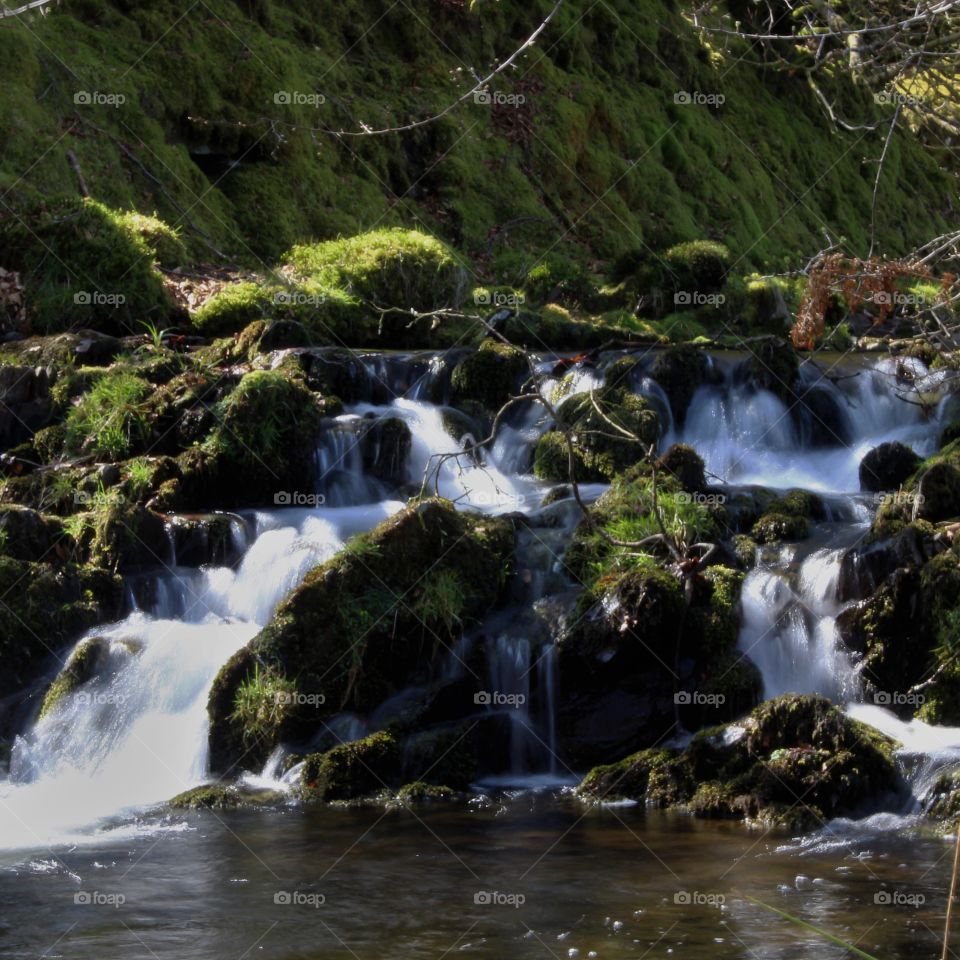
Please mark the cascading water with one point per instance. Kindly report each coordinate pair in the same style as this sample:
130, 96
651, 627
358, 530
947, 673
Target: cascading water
135, 733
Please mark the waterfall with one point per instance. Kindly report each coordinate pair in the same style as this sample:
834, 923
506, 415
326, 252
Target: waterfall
788, 626
135, 733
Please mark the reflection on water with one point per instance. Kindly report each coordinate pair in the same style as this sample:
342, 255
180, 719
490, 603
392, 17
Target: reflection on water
524, 876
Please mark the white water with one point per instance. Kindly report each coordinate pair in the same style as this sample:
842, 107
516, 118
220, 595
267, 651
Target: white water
748, 436
136, 734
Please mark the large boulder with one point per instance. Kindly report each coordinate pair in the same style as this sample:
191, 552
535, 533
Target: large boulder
887, 467
641, 662
370, 622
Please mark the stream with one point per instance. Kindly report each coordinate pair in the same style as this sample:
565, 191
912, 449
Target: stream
92, 864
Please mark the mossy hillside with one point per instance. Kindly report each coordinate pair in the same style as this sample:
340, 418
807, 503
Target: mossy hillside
201, 122
795, 762
365, 624
86, 265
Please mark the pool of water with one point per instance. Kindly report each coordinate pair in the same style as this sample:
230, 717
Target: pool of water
521, 876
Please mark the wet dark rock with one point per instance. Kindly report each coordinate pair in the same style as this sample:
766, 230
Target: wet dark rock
203, 540
865, 566
887, 467
773, 365
636, 663
338, 373
680, 371
25, 402
386, 448
686, 465
823, 419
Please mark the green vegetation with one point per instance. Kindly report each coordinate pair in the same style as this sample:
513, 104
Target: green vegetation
109, 420
84, 265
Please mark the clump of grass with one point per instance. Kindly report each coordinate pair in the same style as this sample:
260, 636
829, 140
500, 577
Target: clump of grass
110, 419
261, 703
442, 598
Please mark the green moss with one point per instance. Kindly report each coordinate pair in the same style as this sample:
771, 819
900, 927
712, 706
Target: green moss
698, 265
775, 526
222, 796
262, 433
351, 770
407, 269
164, 241
794, 761
83, 265
233, 308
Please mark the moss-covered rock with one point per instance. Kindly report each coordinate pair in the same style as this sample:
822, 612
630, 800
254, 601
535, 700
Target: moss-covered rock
887, 466
680, 371
352, 770
225, 796
263, 435
640, 659
82, 665
44, 609
795, 761
83, 265
490, 376
773, 365
234, 308
364, 625
26, 534
596, 423
685, 465
776, 525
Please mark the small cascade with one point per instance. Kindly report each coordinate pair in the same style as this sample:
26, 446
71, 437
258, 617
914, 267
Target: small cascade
788, 626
